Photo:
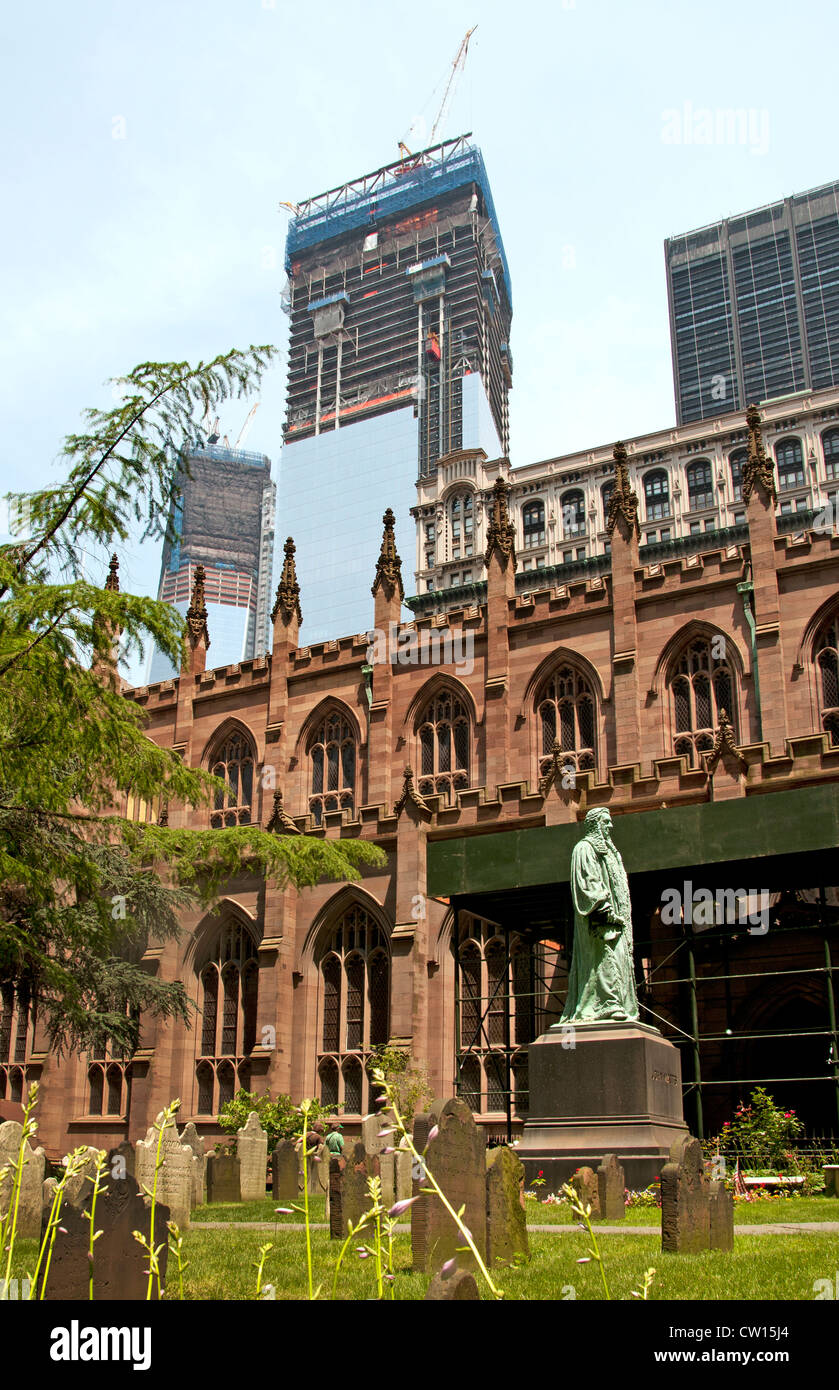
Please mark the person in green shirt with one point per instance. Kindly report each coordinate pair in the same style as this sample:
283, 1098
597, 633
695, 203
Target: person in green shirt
335, 1139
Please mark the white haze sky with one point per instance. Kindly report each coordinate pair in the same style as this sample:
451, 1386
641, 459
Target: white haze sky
167, 244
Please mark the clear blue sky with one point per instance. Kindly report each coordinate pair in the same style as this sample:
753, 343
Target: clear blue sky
167, 243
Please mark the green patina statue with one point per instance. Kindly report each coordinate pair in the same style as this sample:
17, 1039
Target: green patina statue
601, 985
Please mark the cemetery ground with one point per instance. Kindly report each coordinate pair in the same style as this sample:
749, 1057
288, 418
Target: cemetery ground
221, 1258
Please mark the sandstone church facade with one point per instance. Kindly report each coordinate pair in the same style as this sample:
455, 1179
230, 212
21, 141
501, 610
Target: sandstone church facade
696, 697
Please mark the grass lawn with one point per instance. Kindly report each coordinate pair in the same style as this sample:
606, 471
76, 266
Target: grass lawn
221, 1265
780, 1210
261, 1211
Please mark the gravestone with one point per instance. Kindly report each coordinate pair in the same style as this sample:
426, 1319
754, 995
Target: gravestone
721, 1219
685, 1213
611, 1189
176, 1178
79, 1188
252, 1151
456, 1157
456, 1286
120, 1264
348, 1186
285, 1172
31, 1183
224, 1180
387, 1173
831, 1179
587, 1188
48, 1196
506, 1222
190, 1136
121, 1160
403, 1172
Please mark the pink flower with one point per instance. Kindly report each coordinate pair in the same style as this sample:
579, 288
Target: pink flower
403, 1205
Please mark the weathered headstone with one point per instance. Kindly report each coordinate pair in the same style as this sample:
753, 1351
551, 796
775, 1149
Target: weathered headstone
831, 1179
611, 1189
121, 1160
387, 1173
79, 1188
506, 1221
685, 1213
252, 1151
403, 1173
456, 1286
348, 1186
120, 1264
31, 1183
721, 1219
587, 1188
285, 1172
224, 1178
190, 1136
456, 1157
175, 1180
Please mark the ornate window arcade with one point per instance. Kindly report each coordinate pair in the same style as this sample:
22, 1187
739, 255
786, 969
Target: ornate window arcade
233, 760
566, 710
353, 1009
229, 986
444, 736
332, 754
702, 683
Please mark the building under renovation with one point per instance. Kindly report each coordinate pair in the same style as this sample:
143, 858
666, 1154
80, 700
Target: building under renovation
400, 304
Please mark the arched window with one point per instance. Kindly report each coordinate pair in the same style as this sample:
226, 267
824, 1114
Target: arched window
229, 989
533, 525
353, 1005
565, 705
826, 655
605, 495
233, 761
332, 756
735, 463
496, 986
700, 483
830, 449
444, 746
573, 513
657, 495
462, 525
701, 684
790, 460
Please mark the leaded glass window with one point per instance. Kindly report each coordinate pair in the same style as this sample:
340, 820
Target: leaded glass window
701, 685
444, 746
353, 1005
565, 706
233, 762
332, 753
229, 981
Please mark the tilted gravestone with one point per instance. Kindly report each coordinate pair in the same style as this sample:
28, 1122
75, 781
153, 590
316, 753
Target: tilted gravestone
685, 1207
224, 1178
348, 1188
611, 1189
190, 1136
285, 1172
79, 1188
31, 1183
721, 1218
176, 1177
457, 1286
587, 1188
506, 1221
120, 1264
252, 1151
456, 1157
121, 1160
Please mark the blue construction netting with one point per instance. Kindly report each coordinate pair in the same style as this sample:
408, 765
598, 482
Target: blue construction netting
416, 186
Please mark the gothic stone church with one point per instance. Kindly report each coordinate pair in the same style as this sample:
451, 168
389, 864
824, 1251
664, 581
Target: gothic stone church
696, 697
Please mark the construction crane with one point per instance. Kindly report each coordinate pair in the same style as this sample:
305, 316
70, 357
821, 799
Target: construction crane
457, 66
246, 426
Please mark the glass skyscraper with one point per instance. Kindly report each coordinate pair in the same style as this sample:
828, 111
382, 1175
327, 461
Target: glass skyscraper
754, 305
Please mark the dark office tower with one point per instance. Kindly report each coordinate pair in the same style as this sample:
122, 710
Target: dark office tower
754, 305
400, 305
223, 520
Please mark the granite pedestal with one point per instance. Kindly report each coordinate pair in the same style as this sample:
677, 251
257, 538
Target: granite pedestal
598, 1089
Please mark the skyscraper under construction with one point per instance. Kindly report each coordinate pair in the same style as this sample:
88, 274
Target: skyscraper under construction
400, 304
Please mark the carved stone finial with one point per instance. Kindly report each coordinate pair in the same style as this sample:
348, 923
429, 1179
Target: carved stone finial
758, 468
196, 614
724, 743
501, 535
389, 565
288, 589
409, 793
112, 582
624, 499
281, 822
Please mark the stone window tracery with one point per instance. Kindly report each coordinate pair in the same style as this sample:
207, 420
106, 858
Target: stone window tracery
826, 655
566, 711
233, 761
332, 754
353, 1008
444, 736
229, 989
702, 683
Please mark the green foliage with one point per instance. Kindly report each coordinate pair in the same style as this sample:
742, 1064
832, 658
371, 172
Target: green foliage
83, 892
410, 1083
279, 1117
761, 1133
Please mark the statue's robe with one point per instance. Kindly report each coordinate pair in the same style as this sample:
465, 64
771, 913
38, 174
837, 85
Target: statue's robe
601, 984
